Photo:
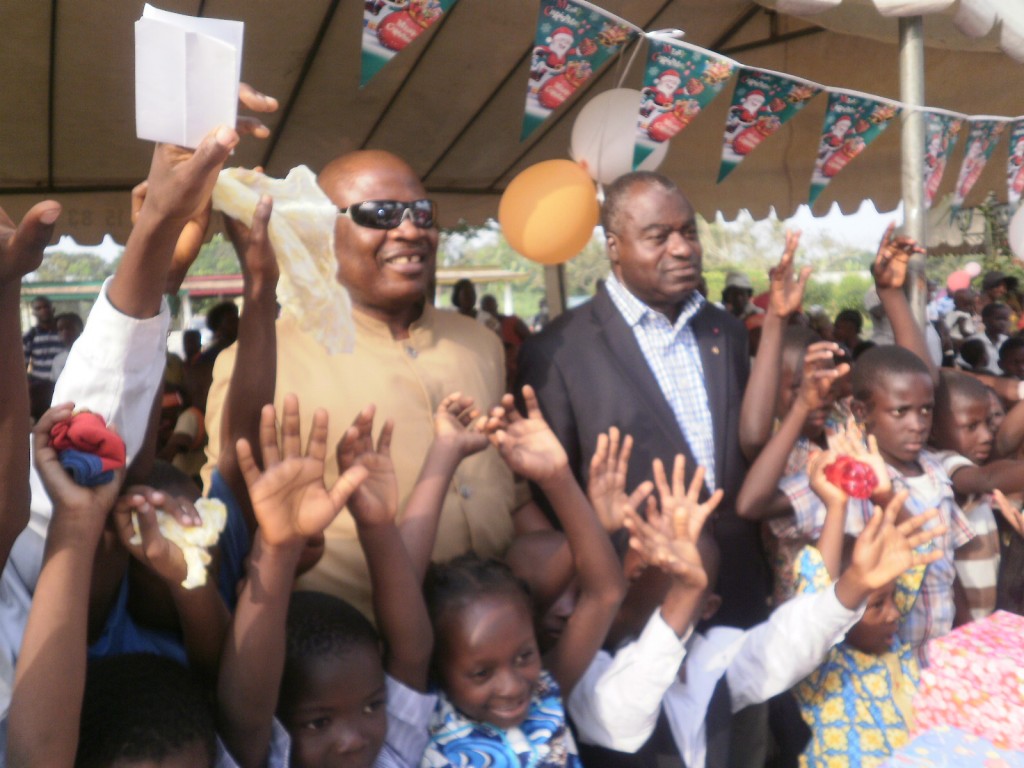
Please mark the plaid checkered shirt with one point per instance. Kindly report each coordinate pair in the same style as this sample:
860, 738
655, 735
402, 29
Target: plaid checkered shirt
932, 613
673, 356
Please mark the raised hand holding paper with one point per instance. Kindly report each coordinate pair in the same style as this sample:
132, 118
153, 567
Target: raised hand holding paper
187, 72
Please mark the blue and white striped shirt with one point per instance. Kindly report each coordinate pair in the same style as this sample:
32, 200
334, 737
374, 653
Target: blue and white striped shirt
672, 353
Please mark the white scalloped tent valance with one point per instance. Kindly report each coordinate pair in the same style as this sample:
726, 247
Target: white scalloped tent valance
983, 25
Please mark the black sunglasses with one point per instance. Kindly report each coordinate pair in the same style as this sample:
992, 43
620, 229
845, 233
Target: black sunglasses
388, 214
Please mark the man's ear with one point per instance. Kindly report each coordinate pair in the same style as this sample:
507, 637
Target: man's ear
859, 409
611, 243
711, 605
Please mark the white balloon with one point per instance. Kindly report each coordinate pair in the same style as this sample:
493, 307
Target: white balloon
1015, 233
604, 134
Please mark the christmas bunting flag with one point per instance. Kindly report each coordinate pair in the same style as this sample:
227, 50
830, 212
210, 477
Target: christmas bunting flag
1015, 163
941, 130
574, 38
762, 102
679, 81
981, 142
390, 25
852, 122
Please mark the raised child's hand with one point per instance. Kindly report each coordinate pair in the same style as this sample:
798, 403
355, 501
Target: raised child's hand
668, 538
884, 550
894, 253
1009, 512
289, 498
606, 484
830, 494
252, 245
851, 442
528, 445
77, 509
161, 556
375, 501
22, 244
786, 291
459, 425
819, 374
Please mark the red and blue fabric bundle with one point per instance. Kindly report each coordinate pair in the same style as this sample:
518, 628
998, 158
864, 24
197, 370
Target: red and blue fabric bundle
88, 449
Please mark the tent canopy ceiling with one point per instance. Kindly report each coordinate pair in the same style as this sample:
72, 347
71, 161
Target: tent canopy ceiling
451, 103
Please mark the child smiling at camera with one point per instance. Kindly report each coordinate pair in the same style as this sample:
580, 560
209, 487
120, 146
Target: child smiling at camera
501, 700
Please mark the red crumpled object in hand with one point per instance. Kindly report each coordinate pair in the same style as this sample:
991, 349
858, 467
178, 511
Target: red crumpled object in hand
88, 432
855, 477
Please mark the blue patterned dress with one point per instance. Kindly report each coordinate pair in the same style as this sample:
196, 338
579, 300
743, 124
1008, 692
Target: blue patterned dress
543, 740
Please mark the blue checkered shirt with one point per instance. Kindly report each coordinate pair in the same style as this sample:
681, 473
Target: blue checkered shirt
932, 613
672, 353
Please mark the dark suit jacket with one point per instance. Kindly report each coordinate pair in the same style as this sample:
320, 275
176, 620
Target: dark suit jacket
590, 374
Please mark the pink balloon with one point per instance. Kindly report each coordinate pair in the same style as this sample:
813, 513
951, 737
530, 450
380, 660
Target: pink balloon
972, 268
958, 280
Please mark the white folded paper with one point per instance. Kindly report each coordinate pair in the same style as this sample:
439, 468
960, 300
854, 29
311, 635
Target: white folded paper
187, 72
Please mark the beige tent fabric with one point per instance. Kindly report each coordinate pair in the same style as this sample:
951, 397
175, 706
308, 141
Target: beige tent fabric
451, 103
981, 25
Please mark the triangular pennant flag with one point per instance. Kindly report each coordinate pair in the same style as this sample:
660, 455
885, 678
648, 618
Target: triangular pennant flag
762, 102
852, 122
679, 81
1015, 163
390, 25
941, 130
981, 143
574, 38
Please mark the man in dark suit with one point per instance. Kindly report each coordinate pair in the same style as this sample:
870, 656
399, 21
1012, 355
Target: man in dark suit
650, 356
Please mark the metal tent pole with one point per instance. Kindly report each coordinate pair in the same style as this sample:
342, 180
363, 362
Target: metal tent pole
913, 146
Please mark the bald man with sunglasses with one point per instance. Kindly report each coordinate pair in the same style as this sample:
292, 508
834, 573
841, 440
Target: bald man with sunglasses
408, 356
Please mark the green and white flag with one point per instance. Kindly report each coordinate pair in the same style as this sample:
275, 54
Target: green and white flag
679, 81
390, 25
573, 40
762, 102
982, 138
941, 130
852, 122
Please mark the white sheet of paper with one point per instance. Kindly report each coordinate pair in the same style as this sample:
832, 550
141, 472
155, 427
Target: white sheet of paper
187, 72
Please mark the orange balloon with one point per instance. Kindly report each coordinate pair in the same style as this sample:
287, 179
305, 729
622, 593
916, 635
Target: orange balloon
548, 212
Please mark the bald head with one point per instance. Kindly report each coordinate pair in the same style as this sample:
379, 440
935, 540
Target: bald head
388, 271
351, 172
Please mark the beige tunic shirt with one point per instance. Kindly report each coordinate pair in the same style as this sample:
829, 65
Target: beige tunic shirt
406, 379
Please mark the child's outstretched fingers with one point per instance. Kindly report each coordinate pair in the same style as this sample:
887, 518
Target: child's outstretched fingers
246, 462
316, 442
669, 493
895, 506
291, 428
268, 436
316, 445
387, 431
1009, 512
357, 438
679, 476
913, 529
346, 484
532, 406
259, 258
161, 556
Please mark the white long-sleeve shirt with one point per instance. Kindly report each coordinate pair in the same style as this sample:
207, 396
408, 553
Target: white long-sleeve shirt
616, 703
114, 369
